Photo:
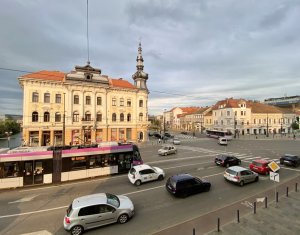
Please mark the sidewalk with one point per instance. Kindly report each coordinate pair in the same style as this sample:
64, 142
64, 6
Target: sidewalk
283, 218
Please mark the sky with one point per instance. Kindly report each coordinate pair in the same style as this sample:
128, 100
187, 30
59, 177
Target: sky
196, 52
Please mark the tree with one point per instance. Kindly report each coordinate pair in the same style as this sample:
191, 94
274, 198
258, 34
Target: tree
295, 126
9, 125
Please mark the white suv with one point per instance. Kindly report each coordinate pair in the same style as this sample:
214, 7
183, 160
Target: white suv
144, 173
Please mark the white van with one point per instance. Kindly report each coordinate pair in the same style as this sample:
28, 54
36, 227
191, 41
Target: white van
222, 141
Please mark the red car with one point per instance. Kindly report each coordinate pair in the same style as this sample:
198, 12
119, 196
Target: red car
260, 166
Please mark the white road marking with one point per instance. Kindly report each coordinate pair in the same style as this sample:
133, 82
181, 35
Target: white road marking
42, 232
24, 199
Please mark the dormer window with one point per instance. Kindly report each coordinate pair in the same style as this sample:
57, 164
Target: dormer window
88, 76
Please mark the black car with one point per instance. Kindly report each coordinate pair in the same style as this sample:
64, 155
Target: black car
183, 185
227, 160
158, 136
290, 160
184, 133
168, 135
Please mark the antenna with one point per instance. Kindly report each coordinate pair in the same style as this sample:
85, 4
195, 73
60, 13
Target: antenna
87, 31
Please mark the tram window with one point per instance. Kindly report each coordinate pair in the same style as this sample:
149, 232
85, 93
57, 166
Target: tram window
9, 169
78, 163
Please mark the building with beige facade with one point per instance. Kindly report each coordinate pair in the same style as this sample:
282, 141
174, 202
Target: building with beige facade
84, 106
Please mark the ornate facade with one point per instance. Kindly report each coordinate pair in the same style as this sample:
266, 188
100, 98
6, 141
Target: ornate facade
84, 107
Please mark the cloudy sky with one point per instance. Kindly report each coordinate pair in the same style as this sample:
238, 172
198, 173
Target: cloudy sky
196, 52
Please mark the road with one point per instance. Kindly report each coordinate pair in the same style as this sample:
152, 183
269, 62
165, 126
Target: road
41, 209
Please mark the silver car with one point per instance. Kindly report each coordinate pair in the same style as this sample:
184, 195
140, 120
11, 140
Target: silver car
169, 149
97, 210
240, 175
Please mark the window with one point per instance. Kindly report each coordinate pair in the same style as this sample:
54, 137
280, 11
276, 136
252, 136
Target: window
254, 121
128, 103
99, 100
228, 113
141, 103
75, 117
10, 169
140, 117
78, 163
57, 117
114, 117
47, 98
99, 117
128, 117
87, 116
35, 97
35, 117
87, 100
114, 101
76, 99
121, 102
46, 117
122, 117
58, 98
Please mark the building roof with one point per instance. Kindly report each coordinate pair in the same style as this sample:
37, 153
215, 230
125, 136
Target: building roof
46, 75
121, 83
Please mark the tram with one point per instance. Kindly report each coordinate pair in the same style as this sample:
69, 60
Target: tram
22, 167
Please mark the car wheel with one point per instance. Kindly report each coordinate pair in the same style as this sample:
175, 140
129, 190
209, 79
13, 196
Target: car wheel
256, 179
138, 183
76, 230
242, 183
123, 218
160, 177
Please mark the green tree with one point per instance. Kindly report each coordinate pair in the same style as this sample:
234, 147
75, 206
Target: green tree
9, 125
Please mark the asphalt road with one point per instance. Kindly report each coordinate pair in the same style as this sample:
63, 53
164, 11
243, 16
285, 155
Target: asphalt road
41, 209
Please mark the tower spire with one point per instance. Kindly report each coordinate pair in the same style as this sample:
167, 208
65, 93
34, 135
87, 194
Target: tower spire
140, 77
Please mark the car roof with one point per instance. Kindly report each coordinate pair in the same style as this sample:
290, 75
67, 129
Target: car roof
141, 167
181, 177
290, 155
88, 200
237, 168
261, 161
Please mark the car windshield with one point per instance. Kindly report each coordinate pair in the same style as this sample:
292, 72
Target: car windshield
221, 157
113, 200
232, 172
166, 148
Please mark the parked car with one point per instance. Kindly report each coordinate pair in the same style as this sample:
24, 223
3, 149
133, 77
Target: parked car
183, 185
97, 210
260, 166
290, 160
158, 136
176, 141
240, 175
143, 173
222, 141
168, 135
227, 160
166, 150
184, 133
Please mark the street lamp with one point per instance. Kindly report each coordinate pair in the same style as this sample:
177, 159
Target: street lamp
8, 134
267, 125
281, 126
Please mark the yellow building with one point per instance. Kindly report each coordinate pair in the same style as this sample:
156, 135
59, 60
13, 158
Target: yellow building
84, 107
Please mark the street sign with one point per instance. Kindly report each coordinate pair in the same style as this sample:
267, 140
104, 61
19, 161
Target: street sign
273, 166
274, 176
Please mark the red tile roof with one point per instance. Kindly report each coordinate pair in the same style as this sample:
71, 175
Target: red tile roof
121, 83
46, 75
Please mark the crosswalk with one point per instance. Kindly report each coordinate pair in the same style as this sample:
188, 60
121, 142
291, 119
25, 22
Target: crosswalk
243, 156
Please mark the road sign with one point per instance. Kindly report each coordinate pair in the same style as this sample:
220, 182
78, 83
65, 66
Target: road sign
273, 166
274, 176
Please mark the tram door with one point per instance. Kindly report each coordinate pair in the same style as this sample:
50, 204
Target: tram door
33, 172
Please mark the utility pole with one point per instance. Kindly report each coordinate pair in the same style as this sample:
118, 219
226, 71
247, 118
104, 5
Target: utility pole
267, 125
234, 119
64, 122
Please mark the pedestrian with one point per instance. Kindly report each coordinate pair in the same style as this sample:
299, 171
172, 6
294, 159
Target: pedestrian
159, 140
294, 136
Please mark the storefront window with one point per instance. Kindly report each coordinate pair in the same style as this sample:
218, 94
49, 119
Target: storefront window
9, 169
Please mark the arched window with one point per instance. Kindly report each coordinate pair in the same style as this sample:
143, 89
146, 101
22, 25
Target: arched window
140, 117
114, 117
35, 117
122, 117
87, 116
99, 117
87, 100
75, 116
76, 99
128, 117
46, 117
47, 98
57, 117
35, 97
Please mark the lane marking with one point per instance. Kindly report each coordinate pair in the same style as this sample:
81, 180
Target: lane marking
24, 199
42, 232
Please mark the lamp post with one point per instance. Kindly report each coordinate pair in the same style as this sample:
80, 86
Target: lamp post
234, 126
64, 122
164, 124
8, 134
281, 127
267, 126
